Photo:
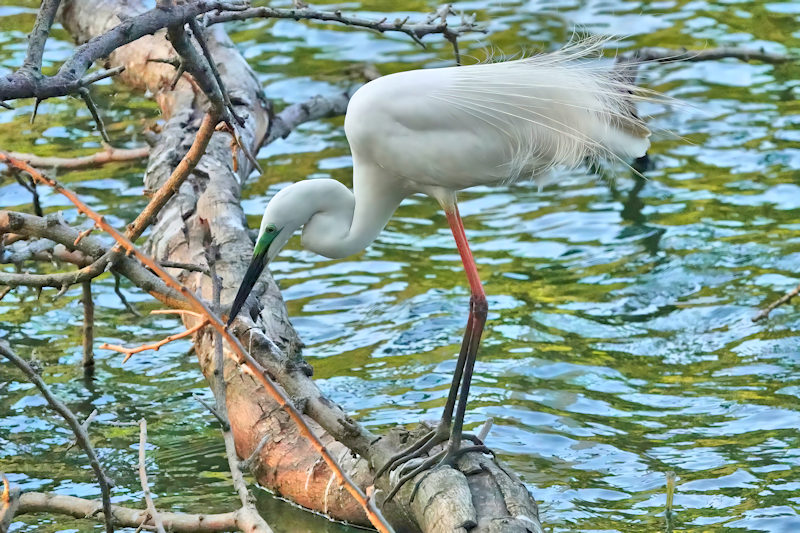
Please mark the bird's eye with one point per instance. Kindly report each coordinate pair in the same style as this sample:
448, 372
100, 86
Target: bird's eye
270, 229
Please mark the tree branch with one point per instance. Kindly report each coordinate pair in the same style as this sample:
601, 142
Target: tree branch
107, 155
48, 502
52, 227
80, 433
38, 37
69, 77
416, 30
669, 55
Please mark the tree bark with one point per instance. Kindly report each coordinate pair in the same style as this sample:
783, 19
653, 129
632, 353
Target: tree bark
206, 209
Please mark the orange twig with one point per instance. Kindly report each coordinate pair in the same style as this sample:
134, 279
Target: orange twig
154, 346
243, 357
176, 312
178, 176
81, 235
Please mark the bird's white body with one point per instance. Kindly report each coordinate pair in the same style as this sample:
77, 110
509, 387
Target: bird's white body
437, 131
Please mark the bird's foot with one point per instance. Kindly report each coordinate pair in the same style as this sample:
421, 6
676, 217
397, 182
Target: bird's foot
421, 447
445, 458
417, 449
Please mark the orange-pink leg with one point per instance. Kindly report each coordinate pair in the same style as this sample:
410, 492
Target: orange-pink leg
462, 377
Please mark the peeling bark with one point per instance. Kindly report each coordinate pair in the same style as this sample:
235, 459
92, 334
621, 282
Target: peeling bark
207, 209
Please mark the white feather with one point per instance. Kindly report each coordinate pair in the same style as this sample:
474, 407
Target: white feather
463, 126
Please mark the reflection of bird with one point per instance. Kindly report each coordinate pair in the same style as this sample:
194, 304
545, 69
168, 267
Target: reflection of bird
441, 130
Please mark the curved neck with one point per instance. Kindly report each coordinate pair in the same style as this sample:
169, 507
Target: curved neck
343, 222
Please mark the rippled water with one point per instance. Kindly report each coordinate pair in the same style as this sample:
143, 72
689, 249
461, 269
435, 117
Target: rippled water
619, 344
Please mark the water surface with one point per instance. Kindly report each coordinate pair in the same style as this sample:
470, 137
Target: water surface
619, 344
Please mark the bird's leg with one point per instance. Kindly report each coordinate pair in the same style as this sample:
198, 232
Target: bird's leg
442, 431
478, 311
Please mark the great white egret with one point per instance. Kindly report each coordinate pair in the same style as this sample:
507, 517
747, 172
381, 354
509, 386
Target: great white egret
436, 131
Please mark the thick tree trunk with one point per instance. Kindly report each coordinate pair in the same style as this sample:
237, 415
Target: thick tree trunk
207, 209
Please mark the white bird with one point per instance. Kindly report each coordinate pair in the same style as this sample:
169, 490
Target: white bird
437, 131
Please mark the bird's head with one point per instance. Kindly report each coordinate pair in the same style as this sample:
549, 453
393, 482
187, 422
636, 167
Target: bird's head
284, 214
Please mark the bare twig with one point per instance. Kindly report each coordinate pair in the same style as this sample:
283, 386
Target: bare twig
121, 296
665, 55
153, 346
47, 502
151, 507
777, 303
416, 30
178, 176
184, 266
108, 155
38, 36
88, 328
80, 434
87, 99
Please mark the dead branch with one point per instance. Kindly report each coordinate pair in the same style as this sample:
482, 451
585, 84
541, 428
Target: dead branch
777, 303
315, 108
38, 36
669, 55
52, 227
80, 433
151, 507
154, 346
68, 79
47, 502
178, 176
108, 155
416, 30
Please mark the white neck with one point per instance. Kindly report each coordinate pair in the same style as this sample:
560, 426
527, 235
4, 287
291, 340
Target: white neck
338, 222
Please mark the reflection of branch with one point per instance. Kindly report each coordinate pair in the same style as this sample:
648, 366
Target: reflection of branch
777, 303
47, 502
80, 433
664, 55
88, 327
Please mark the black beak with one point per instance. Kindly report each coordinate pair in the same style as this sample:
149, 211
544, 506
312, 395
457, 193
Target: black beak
251, 276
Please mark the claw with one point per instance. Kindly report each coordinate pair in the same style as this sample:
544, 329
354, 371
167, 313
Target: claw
415, 450
406, 478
